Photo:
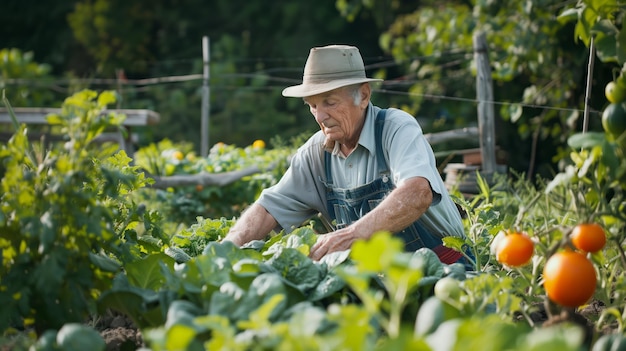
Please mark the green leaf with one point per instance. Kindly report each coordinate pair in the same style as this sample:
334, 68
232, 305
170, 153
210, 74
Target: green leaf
606, 48
49, 273
261, 317
177, 254
432, 313
209, 270
335, 259
454, 242
133, 303
79, 337
229, 251
568, 15
297, 269
432, 266
566, 337
329, 285
182, 312
561, 179
306, 319
227, 300
55, 119
586, 140
498, 335
620, 46
377, 253
104, 263
455, 270
354, 330
146, 273
179, 337
237, 304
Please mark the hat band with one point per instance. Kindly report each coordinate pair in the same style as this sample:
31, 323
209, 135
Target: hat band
326, 77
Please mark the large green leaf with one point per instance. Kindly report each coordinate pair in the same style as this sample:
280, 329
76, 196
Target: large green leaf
146, 273
586, 140
297, 269
329, 285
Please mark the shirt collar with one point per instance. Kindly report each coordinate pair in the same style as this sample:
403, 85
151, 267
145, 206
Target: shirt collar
367, 139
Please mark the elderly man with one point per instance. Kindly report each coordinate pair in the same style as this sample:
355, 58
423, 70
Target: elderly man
366, 170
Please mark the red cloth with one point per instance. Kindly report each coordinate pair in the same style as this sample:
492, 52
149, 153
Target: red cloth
447, 255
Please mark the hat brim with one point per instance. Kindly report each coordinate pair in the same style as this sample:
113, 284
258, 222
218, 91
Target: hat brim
304, 90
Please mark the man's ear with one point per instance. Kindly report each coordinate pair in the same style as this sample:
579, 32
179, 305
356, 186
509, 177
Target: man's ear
366, 93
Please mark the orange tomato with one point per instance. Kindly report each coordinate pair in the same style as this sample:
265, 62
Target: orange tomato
515, 249
588, 237
569, 278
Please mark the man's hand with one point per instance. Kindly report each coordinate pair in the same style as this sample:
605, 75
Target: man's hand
338, 240
254, 224
403, 206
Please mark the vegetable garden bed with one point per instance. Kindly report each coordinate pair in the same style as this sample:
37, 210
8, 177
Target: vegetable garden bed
86, 249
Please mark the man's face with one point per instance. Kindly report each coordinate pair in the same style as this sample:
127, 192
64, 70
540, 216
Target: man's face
337, 115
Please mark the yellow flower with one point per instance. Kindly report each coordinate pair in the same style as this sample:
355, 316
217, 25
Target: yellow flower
258, 144
178, 155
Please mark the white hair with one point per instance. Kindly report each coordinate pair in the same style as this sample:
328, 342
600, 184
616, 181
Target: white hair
355, 90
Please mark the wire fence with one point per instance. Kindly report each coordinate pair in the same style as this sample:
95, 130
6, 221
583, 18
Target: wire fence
61, 85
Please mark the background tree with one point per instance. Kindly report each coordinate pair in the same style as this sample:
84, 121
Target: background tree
539, 72
256, 50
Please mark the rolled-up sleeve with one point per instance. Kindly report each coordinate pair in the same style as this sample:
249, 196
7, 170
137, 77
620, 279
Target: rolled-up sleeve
410, 155
300, 194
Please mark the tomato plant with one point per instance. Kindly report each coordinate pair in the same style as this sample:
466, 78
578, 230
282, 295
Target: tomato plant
588, 237
569, 278
514, 249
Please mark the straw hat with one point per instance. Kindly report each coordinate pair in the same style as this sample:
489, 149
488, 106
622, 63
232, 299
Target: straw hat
328, 68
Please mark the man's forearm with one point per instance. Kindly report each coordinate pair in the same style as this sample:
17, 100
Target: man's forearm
402, 207
254, 224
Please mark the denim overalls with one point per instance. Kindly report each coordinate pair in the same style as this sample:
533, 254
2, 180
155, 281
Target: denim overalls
348, 205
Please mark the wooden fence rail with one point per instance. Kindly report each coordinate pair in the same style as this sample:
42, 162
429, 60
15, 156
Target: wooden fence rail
206, 179
223, 179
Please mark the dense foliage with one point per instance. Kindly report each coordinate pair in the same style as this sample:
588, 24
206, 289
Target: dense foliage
83, 234
423, 50
186, 290
65, 221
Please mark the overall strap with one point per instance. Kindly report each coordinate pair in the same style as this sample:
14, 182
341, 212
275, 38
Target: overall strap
329, 178
378, 133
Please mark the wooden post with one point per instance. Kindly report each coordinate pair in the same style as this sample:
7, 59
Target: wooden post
206, 97
484, 92
592, 55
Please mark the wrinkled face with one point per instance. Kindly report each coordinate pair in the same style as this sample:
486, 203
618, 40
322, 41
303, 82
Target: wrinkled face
337, 114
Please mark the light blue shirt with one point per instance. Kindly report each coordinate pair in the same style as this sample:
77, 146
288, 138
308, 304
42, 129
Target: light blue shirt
301, 194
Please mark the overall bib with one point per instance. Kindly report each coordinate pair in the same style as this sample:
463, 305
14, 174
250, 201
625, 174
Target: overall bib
348, 205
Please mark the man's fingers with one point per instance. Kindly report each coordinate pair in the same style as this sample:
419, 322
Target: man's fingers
317, 251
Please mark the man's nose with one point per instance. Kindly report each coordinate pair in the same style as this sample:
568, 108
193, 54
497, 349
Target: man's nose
320, 115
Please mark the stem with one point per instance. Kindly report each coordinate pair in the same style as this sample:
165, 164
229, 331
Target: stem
523, 209
620, 250
396, 310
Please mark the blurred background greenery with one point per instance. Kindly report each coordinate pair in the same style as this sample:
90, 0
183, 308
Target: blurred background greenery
423, 50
